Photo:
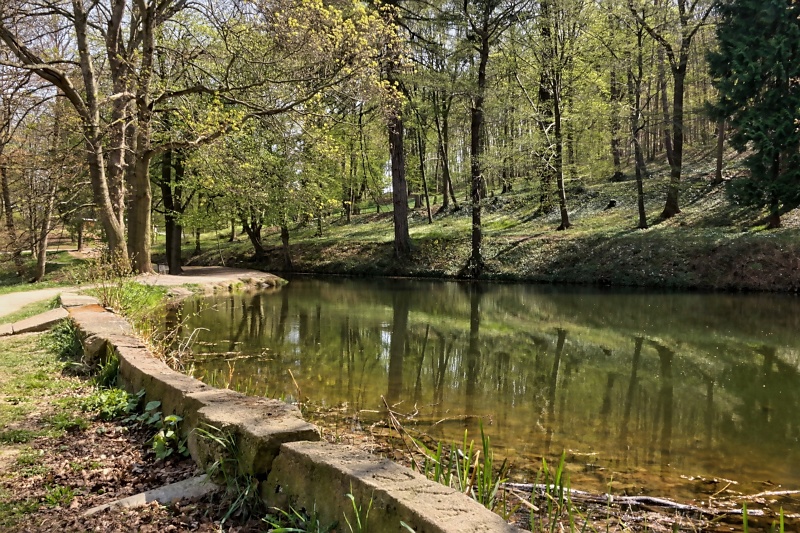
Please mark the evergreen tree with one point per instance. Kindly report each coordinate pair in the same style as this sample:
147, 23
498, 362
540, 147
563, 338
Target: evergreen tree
757, 73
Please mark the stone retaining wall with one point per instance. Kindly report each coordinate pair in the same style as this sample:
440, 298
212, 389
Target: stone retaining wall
277, 446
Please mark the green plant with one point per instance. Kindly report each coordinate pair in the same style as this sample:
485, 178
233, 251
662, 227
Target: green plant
773, 528
241, 487
59, 495
556, 500
108, 371
110, 404
467, 470
66, 422
168, 438
360, 516
294, 521
17, 436
62, 340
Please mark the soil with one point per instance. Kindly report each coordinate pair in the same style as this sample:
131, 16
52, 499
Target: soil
101, 464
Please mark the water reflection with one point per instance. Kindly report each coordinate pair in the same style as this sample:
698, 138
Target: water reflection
662, 392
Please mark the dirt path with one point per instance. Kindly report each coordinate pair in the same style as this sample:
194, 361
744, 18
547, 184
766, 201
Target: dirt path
205, 276
12, 302
208, 277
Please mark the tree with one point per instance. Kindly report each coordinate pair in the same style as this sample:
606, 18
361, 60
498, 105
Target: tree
486, 20
310, 48
691, 16
757, 73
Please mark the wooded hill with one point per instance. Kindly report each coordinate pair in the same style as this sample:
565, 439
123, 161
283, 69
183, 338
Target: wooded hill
161, 117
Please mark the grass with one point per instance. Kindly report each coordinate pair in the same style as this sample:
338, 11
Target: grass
29, 311
30, 376
61, 267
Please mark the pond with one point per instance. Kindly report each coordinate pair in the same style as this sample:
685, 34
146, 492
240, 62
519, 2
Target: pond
672, 394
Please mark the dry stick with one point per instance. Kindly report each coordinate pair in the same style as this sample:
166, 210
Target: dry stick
402, 432
771, 493
633, 500
296, 386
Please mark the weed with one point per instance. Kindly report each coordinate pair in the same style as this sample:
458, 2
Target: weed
59, 496
65, 422
168, 438
108, 372
467, 470
17, 436
10, 512
80, 466
62, 340
242, 487
110, 404
294, 521
360, 515
555, 500
28, 457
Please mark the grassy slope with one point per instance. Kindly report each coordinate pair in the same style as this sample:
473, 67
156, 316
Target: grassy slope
60, 265
712, 244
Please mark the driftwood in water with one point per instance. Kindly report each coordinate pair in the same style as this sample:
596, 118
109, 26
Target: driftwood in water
631, 501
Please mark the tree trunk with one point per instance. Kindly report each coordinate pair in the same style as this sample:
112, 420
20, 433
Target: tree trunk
11, 230
559, 160
616, 150
720, 152
402, 240
253, 230
546, 103
287, 256
44, 233
139, 225
475, 265
81, 224
421, 149
672, 208
170, 193
233, 231
667, 124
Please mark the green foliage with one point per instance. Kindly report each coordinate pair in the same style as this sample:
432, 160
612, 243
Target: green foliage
62, 340
294, 521
467, 470
64, 421
241, 487
168, 438
17, 436
554, 499
59, 496
108, 372
360, 515
756, 70
110, 404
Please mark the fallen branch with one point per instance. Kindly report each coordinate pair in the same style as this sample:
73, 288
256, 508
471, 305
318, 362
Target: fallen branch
632, 501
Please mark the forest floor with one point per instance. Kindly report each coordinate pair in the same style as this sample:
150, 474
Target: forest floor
712, 244
57, 460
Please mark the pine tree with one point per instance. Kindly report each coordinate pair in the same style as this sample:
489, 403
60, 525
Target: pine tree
757, 73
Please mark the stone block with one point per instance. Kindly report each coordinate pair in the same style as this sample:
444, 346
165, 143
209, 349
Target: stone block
318, 475
70, 299
41, 322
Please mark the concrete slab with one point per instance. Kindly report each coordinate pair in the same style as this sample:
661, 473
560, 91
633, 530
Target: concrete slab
318, 475
41, 322
192, 488
71, 299
6, 330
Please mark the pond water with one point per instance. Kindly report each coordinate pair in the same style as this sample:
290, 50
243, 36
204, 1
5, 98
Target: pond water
672, 394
